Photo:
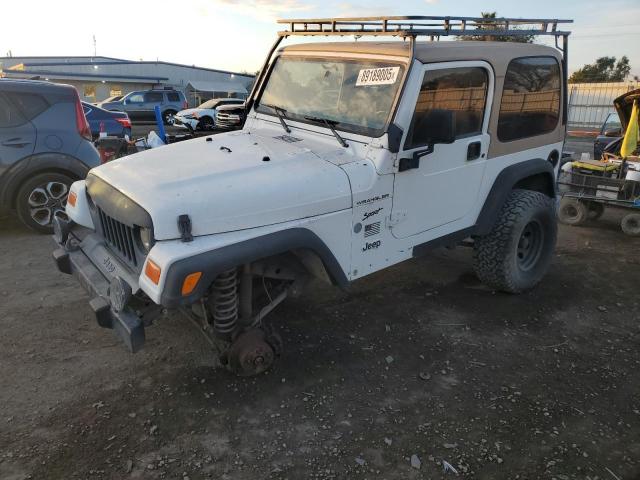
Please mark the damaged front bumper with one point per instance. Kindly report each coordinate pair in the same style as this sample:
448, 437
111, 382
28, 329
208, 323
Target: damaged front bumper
79, 251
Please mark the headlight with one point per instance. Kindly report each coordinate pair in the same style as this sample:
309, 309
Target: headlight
146, 238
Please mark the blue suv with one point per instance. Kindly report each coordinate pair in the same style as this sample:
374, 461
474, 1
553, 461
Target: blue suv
45, 145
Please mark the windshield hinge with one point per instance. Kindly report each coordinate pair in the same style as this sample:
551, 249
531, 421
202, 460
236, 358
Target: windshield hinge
184, 226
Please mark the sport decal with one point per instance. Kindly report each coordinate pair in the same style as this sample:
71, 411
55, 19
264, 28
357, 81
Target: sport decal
368, 215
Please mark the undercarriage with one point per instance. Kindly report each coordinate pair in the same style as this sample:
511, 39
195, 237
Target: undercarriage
232, 315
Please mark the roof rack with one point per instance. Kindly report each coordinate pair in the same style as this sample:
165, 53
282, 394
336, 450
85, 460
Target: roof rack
413, 26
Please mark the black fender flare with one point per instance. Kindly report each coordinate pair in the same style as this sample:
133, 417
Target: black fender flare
33, 165
214, 262
506, 181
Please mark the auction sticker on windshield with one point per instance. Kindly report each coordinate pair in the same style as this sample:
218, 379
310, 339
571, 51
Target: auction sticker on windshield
377, 76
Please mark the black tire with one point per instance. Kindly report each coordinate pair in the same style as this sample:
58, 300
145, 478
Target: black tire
206, 123
572, 212
41, 198
631, 224
596, 210
516, 254
167, 117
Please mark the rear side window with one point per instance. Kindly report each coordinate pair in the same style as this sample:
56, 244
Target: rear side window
9, 115
153, 97
173, 96
30, 104
530, 98
460, 90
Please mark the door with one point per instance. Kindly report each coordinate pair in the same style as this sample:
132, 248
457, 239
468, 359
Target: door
440, 184
17, 135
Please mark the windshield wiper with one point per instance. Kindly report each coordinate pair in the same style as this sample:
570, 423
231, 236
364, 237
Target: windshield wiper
279, 112
330, 124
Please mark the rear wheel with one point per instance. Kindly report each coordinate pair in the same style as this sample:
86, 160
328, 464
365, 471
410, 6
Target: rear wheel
631, 224
516, 254
572, 211
41, 199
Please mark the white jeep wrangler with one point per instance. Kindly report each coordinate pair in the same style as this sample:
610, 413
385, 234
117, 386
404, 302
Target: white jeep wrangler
354, 156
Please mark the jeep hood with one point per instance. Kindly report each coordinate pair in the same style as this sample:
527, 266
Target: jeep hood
624, 104
228, 182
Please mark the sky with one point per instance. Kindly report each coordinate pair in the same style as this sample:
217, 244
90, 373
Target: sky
237, 34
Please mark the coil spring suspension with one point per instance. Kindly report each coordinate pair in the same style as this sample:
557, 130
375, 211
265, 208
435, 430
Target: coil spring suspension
224, 302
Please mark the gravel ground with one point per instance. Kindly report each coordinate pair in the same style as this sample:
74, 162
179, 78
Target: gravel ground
410, 368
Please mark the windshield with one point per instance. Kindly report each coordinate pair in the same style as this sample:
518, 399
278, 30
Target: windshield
357, 94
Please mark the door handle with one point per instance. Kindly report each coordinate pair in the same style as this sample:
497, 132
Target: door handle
474, 151
15, 143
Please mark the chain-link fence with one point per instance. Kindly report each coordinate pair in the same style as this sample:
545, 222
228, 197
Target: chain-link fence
590, 103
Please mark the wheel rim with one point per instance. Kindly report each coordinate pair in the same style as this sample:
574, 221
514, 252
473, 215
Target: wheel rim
168, 118
48, 201
571, 211
530, 245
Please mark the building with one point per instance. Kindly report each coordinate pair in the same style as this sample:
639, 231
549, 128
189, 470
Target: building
97, 78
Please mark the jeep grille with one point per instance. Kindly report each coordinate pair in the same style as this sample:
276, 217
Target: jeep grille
119, 236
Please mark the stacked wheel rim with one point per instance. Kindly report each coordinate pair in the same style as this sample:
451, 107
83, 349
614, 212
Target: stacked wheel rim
631, 224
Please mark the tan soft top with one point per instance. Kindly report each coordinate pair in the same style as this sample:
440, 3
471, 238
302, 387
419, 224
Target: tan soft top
496, 53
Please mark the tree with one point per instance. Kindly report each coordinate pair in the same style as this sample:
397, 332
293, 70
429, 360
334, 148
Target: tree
492, 25
605, 69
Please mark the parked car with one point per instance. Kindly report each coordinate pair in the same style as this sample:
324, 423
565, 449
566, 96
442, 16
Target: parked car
45, 145
623, 105
230, 117
114, 124
140, 105
610, 131
203, 117
356, 156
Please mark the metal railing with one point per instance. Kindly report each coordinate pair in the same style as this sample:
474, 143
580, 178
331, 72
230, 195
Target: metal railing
412, 26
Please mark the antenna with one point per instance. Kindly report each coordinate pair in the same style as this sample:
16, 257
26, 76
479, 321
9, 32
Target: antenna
94, 46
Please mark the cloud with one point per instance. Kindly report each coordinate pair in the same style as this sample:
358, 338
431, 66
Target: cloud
431, 2
266, 10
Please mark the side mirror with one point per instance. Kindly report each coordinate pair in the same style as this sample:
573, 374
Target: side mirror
613, 132
434, 127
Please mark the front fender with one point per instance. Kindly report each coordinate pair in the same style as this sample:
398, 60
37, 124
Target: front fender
214, 262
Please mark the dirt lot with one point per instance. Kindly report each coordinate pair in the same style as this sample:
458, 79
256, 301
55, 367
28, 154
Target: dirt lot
418, 360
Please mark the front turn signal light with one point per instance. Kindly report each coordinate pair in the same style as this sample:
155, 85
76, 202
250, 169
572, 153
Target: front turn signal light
190, 283
152, 271
72, 199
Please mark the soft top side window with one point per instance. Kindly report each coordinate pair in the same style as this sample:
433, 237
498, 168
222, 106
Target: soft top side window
459, 90
530, 103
